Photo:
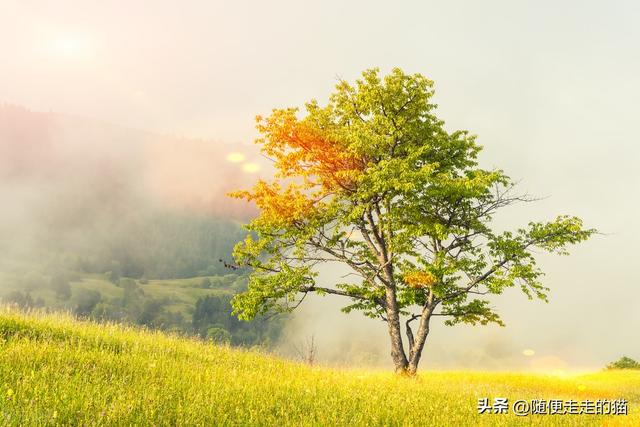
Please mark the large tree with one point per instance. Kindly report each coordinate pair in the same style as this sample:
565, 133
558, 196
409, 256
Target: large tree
375, 182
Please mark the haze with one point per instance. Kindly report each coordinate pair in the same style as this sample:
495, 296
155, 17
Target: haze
550, 88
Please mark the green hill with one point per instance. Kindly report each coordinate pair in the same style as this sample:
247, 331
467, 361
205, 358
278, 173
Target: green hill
58, 371
198, 306
178, 295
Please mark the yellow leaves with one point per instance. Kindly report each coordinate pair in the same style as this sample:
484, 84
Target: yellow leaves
278, 205
420, 279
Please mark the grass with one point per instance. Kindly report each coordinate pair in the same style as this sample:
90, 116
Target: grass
55, 370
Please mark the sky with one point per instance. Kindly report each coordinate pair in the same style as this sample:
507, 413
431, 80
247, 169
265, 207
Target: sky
550, 88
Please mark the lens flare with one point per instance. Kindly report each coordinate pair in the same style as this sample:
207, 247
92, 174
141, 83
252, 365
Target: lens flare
235, 157
528, 352
250, 167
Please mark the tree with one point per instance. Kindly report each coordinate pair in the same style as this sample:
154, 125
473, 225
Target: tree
150, 311
373, 181
60, 285
307, 351
624, 363
218, 335
212, 310
86, 301
22, 300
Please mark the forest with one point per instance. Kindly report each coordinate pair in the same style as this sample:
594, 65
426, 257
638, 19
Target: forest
168, 272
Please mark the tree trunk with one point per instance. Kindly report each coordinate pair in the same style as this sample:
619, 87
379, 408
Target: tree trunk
395, 333
420, 339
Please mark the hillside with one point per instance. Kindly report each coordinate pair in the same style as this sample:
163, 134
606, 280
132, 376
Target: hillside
118, 224
57, 371
197, 306
177, 295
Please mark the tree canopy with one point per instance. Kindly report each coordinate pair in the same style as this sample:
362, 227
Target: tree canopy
374, 181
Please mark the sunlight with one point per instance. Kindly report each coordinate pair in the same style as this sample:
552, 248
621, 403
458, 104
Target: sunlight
559, 373
69, 46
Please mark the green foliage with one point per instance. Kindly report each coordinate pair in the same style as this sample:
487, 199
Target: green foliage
86, 301
162, 246
218, 335
624, 363
213, 313
60, 285
32, 280
23, 299
272, 292
150, 311
205, 283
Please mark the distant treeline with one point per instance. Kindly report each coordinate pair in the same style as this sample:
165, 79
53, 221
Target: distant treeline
154, 246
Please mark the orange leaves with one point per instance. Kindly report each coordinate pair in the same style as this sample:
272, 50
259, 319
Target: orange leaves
420, 279
306, 150
313, 164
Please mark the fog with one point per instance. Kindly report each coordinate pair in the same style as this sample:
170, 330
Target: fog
152, 105
68, 180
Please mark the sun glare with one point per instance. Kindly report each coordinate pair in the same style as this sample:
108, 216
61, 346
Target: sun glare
69, 46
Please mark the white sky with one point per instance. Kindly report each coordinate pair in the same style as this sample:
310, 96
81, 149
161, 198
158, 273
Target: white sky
551, 88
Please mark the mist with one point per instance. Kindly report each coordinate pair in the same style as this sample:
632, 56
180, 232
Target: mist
71, 183
115, 115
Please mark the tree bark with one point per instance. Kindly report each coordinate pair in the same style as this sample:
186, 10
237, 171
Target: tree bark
419, 341
395, 333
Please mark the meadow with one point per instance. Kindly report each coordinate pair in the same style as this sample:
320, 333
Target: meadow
55, 370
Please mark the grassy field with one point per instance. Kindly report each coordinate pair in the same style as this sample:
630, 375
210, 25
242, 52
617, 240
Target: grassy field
58, 371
